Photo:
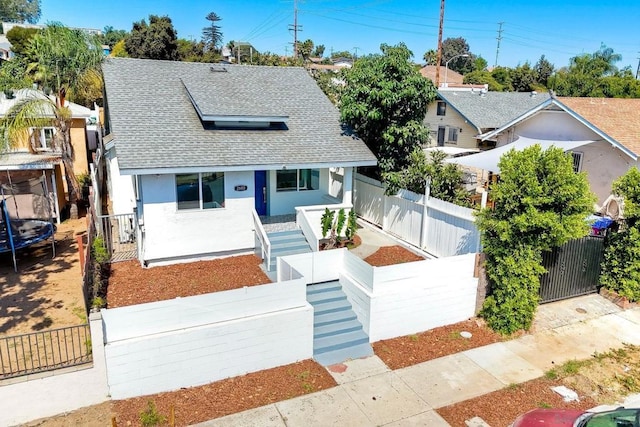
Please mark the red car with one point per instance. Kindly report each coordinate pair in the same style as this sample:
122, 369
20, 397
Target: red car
620, 417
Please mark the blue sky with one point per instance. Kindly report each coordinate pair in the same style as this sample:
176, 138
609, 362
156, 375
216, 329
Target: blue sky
559, 30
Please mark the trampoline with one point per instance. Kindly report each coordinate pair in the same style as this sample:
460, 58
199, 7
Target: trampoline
18, 233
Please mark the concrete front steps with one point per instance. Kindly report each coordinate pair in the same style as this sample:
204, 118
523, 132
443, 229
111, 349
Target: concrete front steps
285, 243
337, 333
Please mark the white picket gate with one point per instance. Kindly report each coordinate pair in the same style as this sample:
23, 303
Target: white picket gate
440, 228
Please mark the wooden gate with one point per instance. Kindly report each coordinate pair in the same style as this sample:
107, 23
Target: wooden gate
572, 269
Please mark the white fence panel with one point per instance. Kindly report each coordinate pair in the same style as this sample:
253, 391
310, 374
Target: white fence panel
368, 199
404, 219
451, 229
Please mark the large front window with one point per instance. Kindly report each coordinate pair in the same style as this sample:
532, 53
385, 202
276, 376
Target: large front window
297, 179
42, 138
200, 190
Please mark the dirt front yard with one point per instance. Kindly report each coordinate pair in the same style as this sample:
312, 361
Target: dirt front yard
46, 292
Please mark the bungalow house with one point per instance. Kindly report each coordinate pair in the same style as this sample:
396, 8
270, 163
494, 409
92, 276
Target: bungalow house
603, 135
456, 118
32, 168
200, 151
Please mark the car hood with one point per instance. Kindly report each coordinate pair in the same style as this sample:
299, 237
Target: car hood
548, 418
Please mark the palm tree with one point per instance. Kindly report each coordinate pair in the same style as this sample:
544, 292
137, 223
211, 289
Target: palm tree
63, 60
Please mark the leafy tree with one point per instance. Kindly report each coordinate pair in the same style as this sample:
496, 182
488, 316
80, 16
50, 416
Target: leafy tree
342, 54
329, 83
430, 57
523, 78
13, 75
446, 178
305, 48
480, 64
119, 50
483, 77
621, 265
211, 34
63, 60
502, 75
385, 100
453, 47
20, 38
20, 11
318, 51
543, 70
157, 40
111, 37
190, 50
540, 203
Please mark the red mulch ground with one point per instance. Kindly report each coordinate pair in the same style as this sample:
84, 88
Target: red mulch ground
130, 284
197, 404
390, 255
502, 407
410, 350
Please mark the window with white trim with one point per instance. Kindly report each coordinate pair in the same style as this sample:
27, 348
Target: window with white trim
453, 135
577, 160
297, 179
441, 108
200, 190
42, 138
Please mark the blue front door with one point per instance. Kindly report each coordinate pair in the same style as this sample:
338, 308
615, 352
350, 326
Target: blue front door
260, 180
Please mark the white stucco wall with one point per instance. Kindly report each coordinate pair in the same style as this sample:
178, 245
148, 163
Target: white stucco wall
170, 233
284, 202
121, 193
602, 162
196, 340
466, 132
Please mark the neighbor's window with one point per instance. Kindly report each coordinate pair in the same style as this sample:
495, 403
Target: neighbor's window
442, 108
42, 138
453, 135
577, 161
297, 179
200, 190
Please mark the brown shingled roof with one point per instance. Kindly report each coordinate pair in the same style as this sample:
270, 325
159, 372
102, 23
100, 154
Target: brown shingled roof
429, 71
618, 118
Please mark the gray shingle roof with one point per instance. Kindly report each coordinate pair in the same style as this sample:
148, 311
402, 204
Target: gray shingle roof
155, 124
492, 109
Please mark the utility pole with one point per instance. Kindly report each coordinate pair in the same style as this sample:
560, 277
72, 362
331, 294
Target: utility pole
638, 69
498, 38
439, 55
295, 28
355, 55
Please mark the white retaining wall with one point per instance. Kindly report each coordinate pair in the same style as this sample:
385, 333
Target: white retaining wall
191, 341
403, 299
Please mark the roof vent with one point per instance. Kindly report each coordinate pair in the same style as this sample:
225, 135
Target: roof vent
218, 69
533, 94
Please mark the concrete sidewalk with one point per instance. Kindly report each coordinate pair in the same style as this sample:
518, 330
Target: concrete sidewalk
370, 394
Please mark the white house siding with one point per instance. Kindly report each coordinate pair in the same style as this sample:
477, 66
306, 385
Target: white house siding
121, 193
170, 233
284, 202
192, 341
466, 132
602, 162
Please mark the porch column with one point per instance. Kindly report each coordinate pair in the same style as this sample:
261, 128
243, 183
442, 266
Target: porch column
347, 186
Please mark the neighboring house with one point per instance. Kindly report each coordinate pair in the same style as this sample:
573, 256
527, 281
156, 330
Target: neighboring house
456, 118
603, 135
201, 150
342, 62
24, 163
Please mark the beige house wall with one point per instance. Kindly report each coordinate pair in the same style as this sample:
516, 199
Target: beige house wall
451, 119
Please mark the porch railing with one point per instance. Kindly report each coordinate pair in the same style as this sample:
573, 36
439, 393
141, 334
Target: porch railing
45, 351
119, 233
262, 239
303, 221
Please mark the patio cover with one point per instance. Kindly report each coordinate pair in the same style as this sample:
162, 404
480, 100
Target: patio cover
488, 160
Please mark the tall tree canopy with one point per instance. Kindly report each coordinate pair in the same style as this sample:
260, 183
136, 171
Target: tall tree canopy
20, 38
540, 203
20, 11
453, 47
385, 100
111, 36
211, 34
157, 40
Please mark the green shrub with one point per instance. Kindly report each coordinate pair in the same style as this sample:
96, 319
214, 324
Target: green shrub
100, 253
151, 417
352, 225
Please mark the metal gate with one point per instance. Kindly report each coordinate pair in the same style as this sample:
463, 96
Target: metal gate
119, 233
572, 269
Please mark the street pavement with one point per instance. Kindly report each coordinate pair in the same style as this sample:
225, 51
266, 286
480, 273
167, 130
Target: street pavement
370, 394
